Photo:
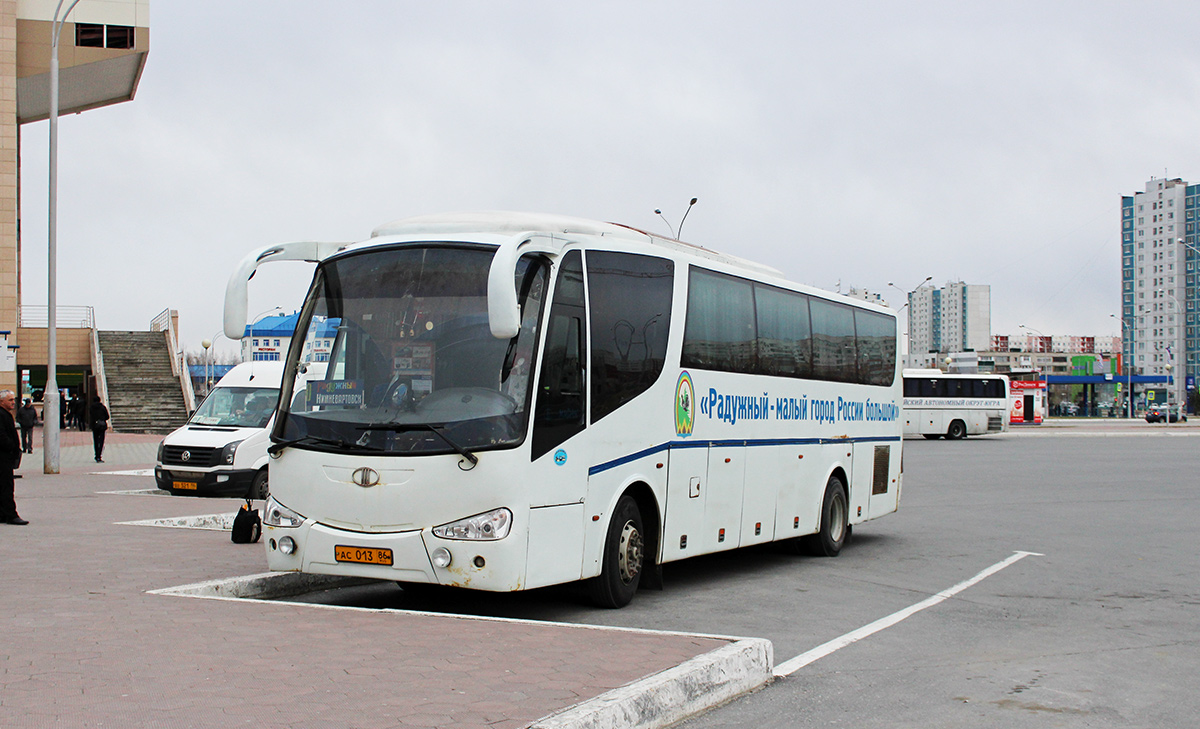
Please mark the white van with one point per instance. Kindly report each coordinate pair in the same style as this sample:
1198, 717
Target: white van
223, 448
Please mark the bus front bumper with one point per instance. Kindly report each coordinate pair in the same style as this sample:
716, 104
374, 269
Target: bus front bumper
317, 548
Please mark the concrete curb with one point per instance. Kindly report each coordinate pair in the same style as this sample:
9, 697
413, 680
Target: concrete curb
264, 586
665, 698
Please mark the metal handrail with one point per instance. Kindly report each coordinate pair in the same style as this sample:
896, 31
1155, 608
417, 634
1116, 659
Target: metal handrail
65, 317
165, 322
98, 368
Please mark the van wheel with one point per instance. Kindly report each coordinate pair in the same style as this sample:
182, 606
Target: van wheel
259, 490
835, 516
957, 430
623, 557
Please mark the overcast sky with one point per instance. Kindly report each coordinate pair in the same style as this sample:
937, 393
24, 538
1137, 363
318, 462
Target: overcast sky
850, 144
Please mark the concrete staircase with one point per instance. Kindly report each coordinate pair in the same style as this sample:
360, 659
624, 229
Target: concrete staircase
143, 395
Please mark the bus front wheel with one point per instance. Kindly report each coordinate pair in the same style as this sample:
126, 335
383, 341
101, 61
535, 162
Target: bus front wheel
623, 557
835, 513
957, 430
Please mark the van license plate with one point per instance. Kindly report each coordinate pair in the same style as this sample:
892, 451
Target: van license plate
363, 555
184, 485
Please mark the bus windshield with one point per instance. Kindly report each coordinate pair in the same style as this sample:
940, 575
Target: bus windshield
237, 407
413, 368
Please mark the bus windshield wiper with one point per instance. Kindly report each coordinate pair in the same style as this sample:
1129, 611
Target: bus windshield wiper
276, 448
436, 430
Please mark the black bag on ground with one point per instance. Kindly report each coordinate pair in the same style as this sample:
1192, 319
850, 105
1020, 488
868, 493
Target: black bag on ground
247, 526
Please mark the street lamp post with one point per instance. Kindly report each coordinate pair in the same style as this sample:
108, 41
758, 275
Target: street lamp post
254, 321
908, 323
206, 343
50, 399
1169, 366
1128, 369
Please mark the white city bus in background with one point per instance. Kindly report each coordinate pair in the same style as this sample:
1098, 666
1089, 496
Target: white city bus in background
517, 400
938, 404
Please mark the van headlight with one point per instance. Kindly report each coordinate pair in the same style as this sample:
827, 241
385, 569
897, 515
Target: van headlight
158, 456
278, 515
228, 451
493, 525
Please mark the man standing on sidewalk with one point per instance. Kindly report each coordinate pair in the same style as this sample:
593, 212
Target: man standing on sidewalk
26, 419
10, 451
99, 418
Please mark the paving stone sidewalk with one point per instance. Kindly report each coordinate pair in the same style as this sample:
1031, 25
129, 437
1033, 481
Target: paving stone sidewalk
82, 643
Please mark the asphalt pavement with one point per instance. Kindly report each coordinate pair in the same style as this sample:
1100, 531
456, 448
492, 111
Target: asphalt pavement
126, 607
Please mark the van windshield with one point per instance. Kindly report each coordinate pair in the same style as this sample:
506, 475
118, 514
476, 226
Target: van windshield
413, 368
237, 407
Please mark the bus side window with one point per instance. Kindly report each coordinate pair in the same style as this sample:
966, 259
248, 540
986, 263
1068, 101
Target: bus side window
559, 412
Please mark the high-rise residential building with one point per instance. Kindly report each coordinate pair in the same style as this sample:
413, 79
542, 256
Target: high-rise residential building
1159, 293
954, 318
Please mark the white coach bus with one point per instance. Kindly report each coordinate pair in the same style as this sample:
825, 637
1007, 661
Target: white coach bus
517, 400
938, 404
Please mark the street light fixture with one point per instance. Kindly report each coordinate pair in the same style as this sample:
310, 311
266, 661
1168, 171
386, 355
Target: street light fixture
907, 294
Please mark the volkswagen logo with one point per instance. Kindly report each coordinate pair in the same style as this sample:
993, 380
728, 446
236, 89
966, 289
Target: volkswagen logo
187, 456
365, 477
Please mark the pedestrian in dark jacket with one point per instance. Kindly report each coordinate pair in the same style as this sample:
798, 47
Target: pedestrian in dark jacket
26, 419
10, 451
99, 418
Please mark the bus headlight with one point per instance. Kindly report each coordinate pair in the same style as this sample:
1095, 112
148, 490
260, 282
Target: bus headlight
278, 515
493, 525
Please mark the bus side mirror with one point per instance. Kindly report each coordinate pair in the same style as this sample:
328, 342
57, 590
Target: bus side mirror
236, 292
504, 312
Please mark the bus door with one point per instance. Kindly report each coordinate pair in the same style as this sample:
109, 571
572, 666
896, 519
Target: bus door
723, 503
687, 487
558, 476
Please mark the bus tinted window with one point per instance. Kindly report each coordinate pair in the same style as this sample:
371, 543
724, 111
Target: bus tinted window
876, 336
630, 318
784, 336
719, 333
560, 405
834, 351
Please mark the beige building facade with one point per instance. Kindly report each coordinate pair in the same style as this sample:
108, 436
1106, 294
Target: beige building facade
102, 52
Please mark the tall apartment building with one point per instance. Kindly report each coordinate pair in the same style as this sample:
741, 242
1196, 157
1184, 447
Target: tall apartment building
954, 318
1159, 293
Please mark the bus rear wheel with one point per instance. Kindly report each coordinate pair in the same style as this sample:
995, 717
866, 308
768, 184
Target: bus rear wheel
956, 431
835, 527
623, 557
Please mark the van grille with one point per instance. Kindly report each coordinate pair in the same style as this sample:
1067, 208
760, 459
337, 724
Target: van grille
195, 456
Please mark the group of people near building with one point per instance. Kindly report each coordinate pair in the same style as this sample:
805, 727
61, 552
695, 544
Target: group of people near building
12, 445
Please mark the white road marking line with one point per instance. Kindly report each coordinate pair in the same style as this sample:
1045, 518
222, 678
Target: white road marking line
789, 667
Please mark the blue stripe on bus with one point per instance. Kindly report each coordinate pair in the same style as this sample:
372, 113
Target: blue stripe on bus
601, 468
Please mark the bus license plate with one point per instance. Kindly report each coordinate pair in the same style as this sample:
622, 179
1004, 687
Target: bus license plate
363, 555
184, 485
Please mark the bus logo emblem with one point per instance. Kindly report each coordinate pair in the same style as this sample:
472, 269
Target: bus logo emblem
365, 477
685, 405
560, 457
